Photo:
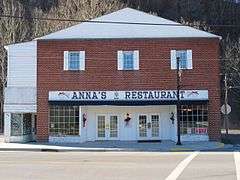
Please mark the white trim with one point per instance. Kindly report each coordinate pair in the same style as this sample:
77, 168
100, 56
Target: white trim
136, 60
65, 60
120, 60
82, 60
189, 59
173, 59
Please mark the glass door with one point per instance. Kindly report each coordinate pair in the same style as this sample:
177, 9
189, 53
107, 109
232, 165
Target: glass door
148, 127
155, 126
101, 127
142, 126
113, 131
107, 127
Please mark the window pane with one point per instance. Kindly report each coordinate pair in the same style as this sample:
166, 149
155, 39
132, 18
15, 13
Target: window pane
128, 60
74, 60
183, 59
27, 123
193, 119
66, 122
16, 125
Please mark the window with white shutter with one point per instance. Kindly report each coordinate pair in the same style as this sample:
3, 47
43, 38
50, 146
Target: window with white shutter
128, 60
74, 60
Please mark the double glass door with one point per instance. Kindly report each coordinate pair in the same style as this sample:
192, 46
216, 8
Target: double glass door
107, 127
148, 127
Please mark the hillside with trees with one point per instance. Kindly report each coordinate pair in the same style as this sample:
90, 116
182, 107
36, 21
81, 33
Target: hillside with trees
202, 14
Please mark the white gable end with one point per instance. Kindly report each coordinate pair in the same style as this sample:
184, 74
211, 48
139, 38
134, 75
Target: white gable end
88, 30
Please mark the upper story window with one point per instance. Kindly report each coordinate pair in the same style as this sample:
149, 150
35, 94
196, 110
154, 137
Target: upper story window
185, 57
128, 60
74, 60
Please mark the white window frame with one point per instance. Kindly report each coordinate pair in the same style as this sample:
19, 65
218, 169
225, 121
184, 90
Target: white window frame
67, 60
174, 59
135, 60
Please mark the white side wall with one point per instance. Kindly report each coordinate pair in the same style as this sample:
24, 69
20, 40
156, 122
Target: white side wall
22, 64
20, 93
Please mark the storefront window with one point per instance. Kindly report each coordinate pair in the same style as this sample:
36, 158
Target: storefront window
64, 120
16, 124
27, 124
21, 124
194, 119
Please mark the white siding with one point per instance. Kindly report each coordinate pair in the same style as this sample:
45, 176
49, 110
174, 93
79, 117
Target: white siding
22, 64
20, 93
20, 99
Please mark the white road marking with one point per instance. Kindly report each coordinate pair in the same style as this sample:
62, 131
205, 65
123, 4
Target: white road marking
181, 166
237, 164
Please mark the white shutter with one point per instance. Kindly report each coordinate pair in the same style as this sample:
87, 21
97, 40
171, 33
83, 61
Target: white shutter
120, 60
189, 59
173, 59
65, 66
82, 60
136, 60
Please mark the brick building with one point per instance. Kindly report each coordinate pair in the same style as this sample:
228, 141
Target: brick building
114, 81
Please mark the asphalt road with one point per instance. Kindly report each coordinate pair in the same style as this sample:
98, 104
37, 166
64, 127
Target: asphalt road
119, 165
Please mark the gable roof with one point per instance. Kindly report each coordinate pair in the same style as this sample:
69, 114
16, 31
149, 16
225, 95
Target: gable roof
95, 30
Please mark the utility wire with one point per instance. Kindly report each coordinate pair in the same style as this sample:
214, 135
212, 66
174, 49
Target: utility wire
109, 22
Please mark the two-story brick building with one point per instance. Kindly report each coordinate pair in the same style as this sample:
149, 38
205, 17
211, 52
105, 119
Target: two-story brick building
114, 81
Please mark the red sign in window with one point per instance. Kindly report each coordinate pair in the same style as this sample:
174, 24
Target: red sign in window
201, 130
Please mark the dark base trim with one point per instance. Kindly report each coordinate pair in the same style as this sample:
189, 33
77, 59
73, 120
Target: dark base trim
123, 103
149, 141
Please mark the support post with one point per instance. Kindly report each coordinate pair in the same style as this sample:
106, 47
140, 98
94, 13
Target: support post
178, 103
225, 104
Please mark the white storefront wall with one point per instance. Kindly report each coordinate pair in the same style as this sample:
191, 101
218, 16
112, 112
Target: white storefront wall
168, 131
125, 133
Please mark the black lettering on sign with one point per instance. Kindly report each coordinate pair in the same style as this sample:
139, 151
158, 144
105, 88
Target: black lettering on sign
103, 95
140, 95
150, 95
74, 95
127, 95
134, 95
163, 94
169, 95
156, 94
94, 95
175, 94
81, 95
182, 94
145, 94
88, 95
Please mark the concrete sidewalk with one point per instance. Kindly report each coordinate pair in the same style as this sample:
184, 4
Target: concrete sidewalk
103, 146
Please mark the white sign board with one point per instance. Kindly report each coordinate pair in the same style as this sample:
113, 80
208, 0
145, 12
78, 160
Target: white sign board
158, 95
226, 110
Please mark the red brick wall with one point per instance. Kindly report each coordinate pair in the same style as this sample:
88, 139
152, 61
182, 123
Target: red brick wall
101, 71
